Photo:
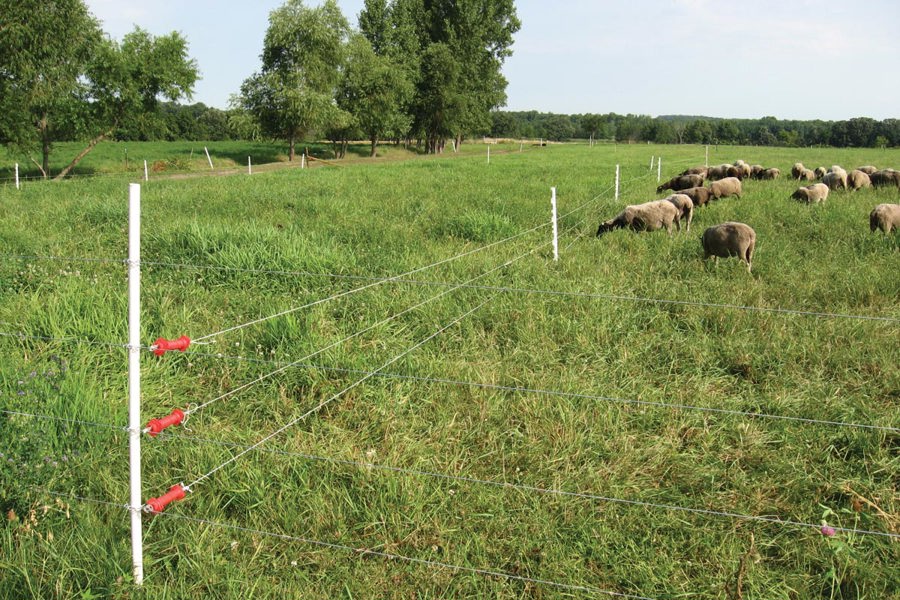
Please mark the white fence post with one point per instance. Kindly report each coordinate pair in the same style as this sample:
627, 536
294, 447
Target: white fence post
249, 167
658, 169
303, 160
146, 173
134, 377
489, 154
617, 182
651, 164
208, 158
17, 175
555, 226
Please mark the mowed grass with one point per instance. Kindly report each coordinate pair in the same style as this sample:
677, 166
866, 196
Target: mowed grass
567, 377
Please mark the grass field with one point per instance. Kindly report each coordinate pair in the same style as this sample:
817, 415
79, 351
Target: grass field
567, 434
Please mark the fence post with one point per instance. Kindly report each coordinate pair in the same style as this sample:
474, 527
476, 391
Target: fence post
303, 160
555, 227
146, 173
617, 182
134, 377
659, 169
249, 167
208, 158
17, 175
489, 154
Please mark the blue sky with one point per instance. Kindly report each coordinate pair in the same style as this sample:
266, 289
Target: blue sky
792, 59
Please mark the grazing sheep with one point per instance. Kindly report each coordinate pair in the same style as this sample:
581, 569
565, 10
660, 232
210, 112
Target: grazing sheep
807, 175
885, 177
685, 207
835, 180
868, 169
744, 167
730, 239
885, 217
648, 216
696, 171
820, 172
681, 182
810, 194
730, 186
718, 172
797, 169
755, 170
858, 180
698, 195
735, 171
769, 174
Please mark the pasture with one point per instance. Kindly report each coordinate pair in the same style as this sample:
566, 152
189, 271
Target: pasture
628, 421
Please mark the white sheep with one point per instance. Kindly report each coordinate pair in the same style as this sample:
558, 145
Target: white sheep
885, 217
730, 186
685, 207
857, 179
835, 180
817, 192
730, 239
648, 216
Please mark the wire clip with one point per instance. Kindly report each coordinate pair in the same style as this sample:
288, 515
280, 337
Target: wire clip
162, 345
157, 505
155, 426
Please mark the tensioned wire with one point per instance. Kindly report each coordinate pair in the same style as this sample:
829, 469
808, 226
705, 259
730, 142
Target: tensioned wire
498, 484
355, 550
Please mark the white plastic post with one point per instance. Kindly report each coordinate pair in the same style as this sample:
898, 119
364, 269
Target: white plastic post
208, 158
617, 182
520, 146
17, 175
134, 377
489, 154
651, 163
659, 169
555, 227
249, 167
146, 173
303, 160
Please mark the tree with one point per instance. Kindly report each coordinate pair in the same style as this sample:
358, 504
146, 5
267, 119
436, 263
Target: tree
303, 51
375, 92
60, 77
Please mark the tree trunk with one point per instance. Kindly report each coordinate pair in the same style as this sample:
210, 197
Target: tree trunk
45, 145
82, 154
374, 146
291, 153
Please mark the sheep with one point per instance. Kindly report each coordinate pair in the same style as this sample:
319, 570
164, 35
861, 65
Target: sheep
835, 180
755, 171
730, 239
885, 177
681, 182
648, 216
817, 192
820, 172
735, 171
885, 217
730, 186
868, 169
797, 169
698, 195
685, 207
773, 173
744, 167
857, 180
807, 175
696, 171
717, 173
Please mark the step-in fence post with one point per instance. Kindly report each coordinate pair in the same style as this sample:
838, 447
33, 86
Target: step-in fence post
617, 182
249, 167
17, 175
659, 169
651, 164
146, 173
555, 226
134, 378
208, 159
489, 154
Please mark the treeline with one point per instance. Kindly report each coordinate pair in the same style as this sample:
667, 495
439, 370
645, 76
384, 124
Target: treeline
861, 132
189, 122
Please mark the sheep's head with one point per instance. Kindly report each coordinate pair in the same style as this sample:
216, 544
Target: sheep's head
605, 227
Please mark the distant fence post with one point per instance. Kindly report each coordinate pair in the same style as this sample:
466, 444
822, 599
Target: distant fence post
249, 167
659, 169
146, 173
134, 378
303, 160
489, 154
651, 163
520, 145
555, 227
617, 182
17, 175
208, 158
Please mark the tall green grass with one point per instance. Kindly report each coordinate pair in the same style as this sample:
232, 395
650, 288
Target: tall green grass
283, 239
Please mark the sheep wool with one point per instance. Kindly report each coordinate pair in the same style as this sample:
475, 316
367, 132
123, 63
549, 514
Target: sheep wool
730, 239
648, 216
885, 217
730, 186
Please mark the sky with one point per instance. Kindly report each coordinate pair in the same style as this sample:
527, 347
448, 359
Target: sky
791, 59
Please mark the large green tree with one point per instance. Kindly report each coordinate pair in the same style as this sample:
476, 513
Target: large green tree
293, 94
62, 78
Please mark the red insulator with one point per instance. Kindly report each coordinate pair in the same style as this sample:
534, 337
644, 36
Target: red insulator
155, 426
157, 505
162, 345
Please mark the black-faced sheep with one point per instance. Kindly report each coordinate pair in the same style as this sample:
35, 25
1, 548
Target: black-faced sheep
885, 177
648, 216
744, 167
810, 194
797, 169
698, 195
735, 171
769, 174
885, 217
681, 182
730, 239
755, 170
820, 172
730, 186
857, 180
868, 169
685, 207
807, 175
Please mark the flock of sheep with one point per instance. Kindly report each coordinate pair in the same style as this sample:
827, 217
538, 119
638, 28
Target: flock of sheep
739, 239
